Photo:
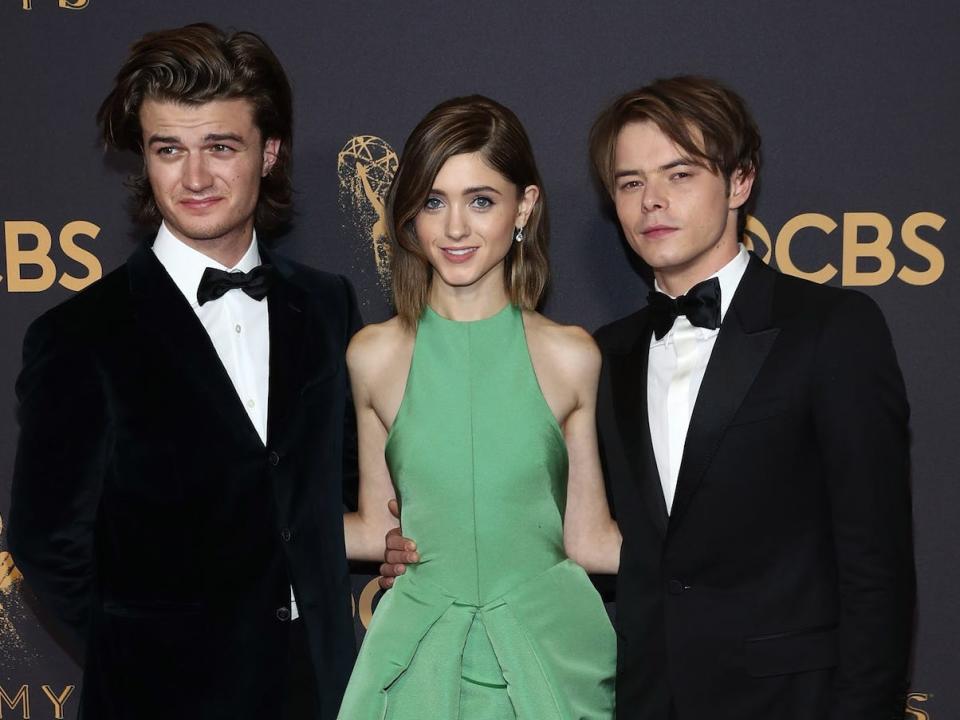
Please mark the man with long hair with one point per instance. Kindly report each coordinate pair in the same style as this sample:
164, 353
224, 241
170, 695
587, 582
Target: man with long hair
177, 499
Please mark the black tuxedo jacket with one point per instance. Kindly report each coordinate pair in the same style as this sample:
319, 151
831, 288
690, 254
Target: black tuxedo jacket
148, 514
781, 585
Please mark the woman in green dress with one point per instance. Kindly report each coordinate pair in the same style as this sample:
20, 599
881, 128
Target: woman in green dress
478, 414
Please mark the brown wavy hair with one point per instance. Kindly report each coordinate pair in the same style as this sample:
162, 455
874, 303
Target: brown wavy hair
704, 118
472, 124
194, 65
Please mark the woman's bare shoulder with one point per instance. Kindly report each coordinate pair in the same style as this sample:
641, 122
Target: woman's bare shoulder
568, 347
568, 350
375, 346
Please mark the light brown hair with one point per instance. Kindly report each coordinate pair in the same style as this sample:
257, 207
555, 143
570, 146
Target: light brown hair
194, 65
705, 119
473, 124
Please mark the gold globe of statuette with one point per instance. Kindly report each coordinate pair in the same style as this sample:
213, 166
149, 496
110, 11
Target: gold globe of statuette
366, 165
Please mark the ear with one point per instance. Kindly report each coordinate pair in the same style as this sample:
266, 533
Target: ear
528, 201
271, 150
741, 184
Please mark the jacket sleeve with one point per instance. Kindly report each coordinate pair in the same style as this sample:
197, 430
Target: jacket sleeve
861, 417
351, 473
59, 468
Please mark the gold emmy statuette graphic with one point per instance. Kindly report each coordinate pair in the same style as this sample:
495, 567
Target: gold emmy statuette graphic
10, 577
366, 165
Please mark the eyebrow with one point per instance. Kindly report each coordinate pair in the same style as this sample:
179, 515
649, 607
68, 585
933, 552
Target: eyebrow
669, 166
469, 190
163, 139
211, 138
219, 137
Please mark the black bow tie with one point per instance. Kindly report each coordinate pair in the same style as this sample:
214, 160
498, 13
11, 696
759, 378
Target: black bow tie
701, 306
215, 283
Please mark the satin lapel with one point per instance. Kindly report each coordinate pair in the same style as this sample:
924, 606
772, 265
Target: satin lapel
742, 346
170, 324
628, 376
288, 341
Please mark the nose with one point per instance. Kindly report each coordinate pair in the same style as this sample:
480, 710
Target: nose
456, 227
654, 197
196, 174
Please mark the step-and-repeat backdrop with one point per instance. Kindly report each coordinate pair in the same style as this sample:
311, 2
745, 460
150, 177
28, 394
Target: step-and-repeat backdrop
858, 103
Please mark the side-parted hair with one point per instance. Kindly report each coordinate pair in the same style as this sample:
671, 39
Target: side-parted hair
705, 119
473, 124
194, 65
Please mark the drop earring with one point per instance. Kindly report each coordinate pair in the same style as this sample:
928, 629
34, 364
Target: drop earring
518, 234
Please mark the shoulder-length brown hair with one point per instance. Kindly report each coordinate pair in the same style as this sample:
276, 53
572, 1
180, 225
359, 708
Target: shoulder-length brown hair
194, 65
473, 124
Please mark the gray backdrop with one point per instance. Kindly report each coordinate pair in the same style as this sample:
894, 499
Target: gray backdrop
857, 102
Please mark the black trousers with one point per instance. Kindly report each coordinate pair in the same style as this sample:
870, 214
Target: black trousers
300, 698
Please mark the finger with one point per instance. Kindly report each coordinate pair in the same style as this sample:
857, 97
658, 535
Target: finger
394, 507
385, 583
389, 569
398, 542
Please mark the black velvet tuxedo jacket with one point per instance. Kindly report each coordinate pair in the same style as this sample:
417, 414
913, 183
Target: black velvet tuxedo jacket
781, 585
149, 515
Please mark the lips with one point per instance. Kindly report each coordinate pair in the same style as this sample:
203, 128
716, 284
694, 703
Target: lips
458, 254
655, 232
200, 203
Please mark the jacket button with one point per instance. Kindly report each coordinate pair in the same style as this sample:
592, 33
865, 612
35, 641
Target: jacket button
285, 534
283, 614
676, 587
273, 458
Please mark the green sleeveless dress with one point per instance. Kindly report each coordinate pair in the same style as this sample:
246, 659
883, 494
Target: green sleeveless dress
494, 622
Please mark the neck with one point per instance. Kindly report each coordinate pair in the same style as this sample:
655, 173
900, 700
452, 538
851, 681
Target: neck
676, 281
466, 303
226, 249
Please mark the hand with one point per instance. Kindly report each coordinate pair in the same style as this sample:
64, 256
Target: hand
400, 552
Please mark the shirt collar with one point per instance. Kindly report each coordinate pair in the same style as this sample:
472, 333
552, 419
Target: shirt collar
729, 276
185, 265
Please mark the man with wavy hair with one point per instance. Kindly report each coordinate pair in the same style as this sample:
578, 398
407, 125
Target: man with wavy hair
754, 436
177, 498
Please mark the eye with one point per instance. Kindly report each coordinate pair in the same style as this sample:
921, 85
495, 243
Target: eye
681, 175
482, 202
166, 150
432, 203
631, 185
221, 148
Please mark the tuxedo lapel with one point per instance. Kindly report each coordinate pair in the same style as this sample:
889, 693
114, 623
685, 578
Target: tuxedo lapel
288, 342
742, 346
171, 325
628, 374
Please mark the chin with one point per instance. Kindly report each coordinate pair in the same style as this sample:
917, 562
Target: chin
206, 231
458, 279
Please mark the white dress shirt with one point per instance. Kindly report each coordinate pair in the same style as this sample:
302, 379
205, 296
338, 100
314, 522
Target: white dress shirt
238, 327
676, 367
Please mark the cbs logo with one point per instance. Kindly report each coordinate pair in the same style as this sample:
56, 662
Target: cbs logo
914, 712
868, 254
365, 606
34, 254
64, 4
